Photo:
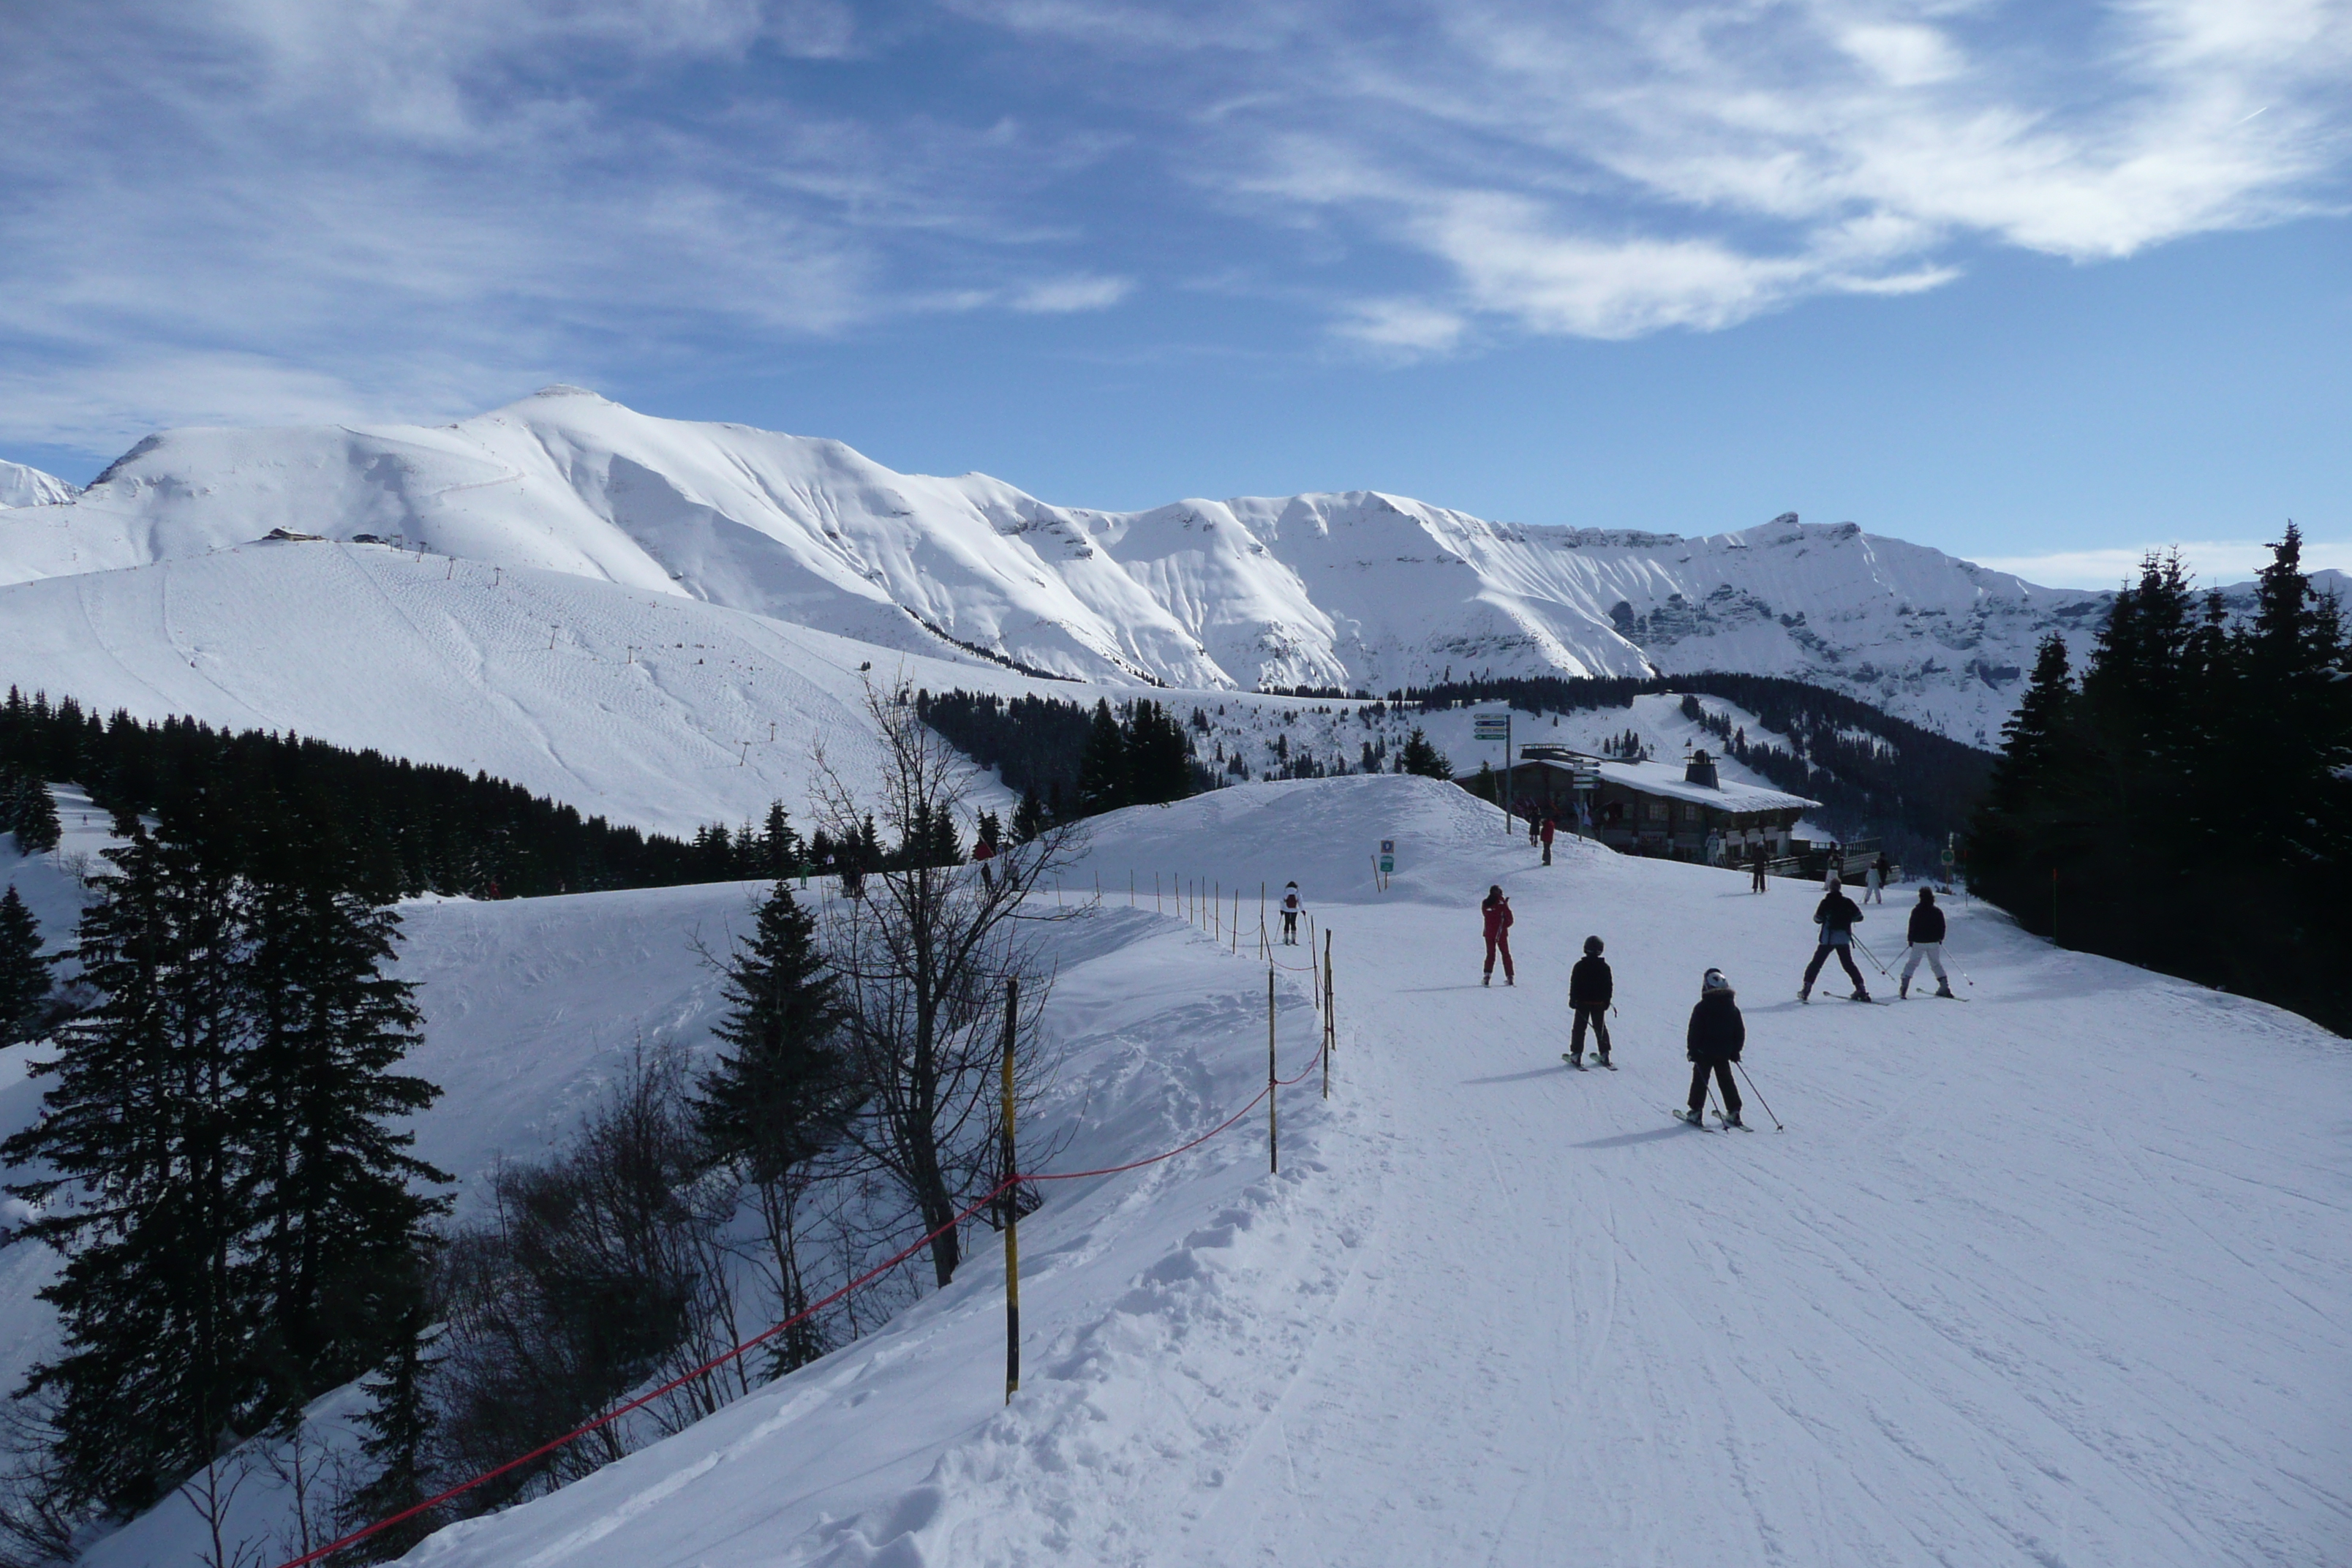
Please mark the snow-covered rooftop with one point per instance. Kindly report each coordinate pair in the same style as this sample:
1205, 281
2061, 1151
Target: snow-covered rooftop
1666, 780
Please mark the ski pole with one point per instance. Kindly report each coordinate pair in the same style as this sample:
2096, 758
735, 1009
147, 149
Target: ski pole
1759, 1099
1874, 958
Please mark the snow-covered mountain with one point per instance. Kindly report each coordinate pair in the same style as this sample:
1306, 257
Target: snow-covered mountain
1353, 590
21, 486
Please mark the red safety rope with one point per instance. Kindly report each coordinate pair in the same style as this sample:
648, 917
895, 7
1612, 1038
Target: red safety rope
720, 1359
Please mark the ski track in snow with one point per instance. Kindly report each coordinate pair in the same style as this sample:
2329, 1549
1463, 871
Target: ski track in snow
2047, 1279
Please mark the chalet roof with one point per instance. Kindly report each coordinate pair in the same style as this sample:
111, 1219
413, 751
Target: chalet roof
1665, 780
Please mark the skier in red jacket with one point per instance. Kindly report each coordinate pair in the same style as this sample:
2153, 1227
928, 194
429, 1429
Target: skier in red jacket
1497, 911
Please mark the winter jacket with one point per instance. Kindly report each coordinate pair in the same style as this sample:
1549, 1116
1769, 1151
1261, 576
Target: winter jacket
1547, 830
1717, 1029
1837, 912
1498, 917
1926, 924
1589, 983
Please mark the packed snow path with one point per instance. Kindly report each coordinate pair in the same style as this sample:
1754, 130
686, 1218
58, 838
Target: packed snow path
2056, 1277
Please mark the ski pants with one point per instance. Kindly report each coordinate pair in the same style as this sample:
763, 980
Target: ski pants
1546, 849
1500, 941
1845, 956
1933, 952
1290, 927
1759, 877
1722, 1071
1599, 1030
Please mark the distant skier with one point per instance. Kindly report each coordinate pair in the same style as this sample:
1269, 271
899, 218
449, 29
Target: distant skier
982, 853
1590, 989
1756, 863
1927, 935
1497, 907
1290, 908
1550, 828
1535, 829
1713, 1042
1836, 915
1880, 869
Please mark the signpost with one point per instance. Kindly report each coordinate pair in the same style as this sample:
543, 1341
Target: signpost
1497, 727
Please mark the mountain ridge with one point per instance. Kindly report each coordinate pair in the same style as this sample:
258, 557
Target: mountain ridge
1358, 589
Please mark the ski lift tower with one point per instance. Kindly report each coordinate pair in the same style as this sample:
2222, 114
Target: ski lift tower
1497, 727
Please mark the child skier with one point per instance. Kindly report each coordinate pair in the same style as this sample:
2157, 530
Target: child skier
1927, 935
1590, 989
1713, 1042
1497, 911
1836, 915
1290, 908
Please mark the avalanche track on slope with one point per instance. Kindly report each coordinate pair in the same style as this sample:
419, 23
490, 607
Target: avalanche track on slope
2057, 1278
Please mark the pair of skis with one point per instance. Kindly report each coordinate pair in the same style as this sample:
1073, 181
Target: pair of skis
1577, 1062
1698, 1119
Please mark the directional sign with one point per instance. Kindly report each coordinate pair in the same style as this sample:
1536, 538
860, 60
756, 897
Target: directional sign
1491, 729
1388, 856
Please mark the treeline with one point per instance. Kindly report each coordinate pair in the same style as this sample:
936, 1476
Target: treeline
2187, 804
399, 828
1910, 786
1068, 761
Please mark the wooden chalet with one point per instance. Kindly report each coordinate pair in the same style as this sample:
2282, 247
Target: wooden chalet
1678, 812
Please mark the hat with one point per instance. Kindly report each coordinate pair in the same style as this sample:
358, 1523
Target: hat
1592, 944
1713, 981
1926, 894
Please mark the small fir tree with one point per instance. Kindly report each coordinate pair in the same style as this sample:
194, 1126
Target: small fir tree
1419, 757
23, 972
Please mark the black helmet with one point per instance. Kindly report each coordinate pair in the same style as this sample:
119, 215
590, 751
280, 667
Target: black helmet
1592, 944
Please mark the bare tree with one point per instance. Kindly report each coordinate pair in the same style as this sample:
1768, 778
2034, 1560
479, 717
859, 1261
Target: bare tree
923, 957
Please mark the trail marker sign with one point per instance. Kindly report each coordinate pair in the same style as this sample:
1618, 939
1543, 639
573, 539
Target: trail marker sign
1388, 856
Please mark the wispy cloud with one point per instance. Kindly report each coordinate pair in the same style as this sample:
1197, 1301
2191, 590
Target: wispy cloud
294, 209
2213, 562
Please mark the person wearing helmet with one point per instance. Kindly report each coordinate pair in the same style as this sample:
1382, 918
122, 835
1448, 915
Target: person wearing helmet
1496, 909
1713, 1040
1590, 989
1290, 908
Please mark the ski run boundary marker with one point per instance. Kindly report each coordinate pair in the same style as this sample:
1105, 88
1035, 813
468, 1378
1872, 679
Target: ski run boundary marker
319, 1554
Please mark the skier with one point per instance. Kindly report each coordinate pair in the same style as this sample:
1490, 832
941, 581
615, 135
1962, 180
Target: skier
1755, 862
1550, 828
1713, 1040
982, 853
1290, 908
1497, 907
1535, 828
1880, 869
1836, 915
1590, 989
1927, 935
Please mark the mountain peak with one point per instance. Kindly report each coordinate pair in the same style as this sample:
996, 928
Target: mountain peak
22, 486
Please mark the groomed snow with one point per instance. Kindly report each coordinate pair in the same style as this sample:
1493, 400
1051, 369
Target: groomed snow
2060, 1276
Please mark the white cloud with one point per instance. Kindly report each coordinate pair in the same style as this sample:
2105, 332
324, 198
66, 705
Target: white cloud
2212, 562
1062, 296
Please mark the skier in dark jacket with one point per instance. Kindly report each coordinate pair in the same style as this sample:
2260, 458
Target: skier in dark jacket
1496, 909
1713, 1040
1926, 937
1591, 988
1757, 860
1836, 915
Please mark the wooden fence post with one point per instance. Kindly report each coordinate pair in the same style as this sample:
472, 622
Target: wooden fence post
1330, 1035
1012, 1204
1273, 1124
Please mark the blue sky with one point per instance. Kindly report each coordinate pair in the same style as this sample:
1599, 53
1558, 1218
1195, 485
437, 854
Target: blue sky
2037, 284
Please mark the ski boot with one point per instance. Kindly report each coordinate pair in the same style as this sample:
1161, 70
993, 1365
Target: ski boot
1902, 992
1945, 989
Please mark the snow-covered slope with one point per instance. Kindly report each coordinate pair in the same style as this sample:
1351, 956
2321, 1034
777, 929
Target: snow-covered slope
1354, 590
21, 486
639, 705
2027, 1279
2061, 1274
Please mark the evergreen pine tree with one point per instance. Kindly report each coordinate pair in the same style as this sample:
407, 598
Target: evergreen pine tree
33, 817
23, 972
1029, 816
1103, 781
1420, 757
144, 1195
399, 1424
339, 1223
777, 1097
